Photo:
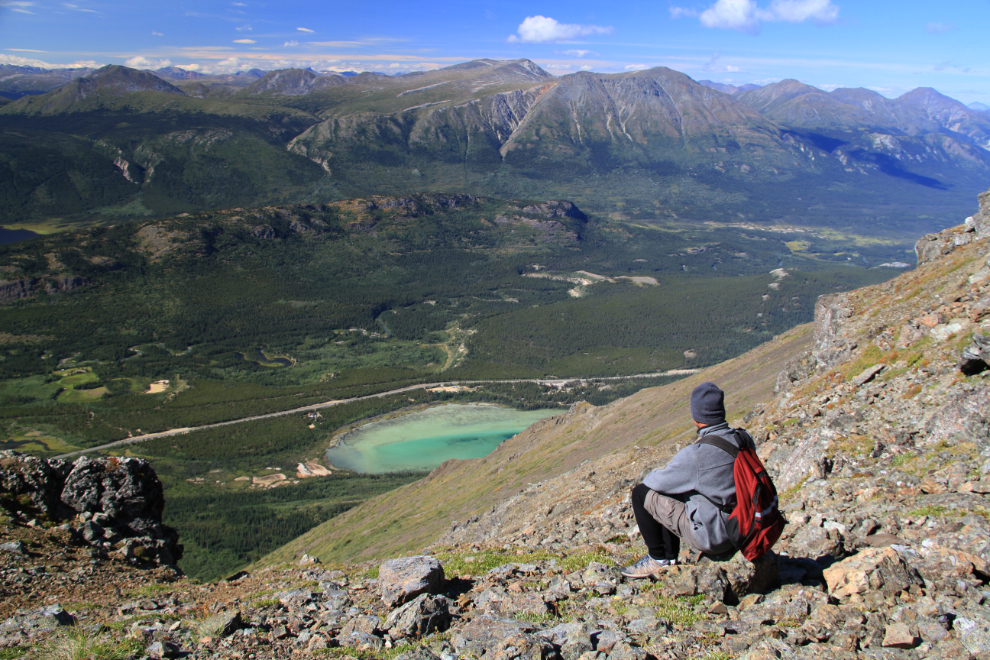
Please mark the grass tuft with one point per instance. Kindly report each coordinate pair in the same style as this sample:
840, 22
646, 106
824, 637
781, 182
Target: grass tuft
78, 644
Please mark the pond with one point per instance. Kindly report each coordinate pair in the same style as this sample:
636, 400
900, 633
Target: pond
14, 235
424, 439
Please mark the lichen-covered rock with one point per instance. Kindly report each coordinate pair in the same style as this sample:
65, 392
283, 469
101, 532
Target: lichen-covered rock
360, 641
39, 481
425, 614
483, 632
116, 503
401, 580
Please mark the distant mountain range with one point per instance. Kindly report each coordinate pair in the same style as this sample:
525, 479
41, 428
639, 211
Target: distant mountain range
652, 143
727, 88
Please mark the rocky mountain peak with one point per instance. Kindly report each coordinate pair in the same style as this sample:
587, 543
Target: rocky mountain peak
115, 79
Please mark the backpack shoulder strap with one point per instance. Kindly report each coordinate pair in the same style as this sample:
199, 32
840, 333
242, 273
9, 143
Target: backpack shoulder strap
728, 448
721, 443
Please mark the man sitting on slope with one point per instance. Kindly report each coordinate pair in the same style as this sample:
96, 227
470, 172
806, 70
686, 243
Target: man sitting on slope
682, 500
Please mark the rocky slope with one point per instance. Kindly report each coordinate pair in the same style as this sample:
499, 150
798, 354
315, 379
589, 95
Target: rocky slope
877, 436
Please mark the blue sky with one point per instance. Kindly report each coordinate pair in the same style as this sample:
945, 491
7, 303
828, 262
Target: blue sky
889, 46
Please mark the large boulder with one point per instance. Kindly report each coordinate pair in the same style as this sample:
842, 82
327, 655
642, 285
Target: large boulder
402, 579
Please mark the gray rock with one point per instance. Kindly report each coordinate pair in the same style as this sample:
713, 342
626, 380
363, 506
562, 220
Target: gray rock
522, 646
38, 621
484, 631
973, 629
122, 495
401, 580
295, 597
425, 614
14, 548
975, 358
163, 649
708, 579
606, 639
601, 578
360, 641
366, 623
626, 651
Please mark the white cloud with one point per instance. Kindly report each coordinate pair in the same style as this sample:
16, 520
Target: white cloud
27, 61
17, 5
245, 41
69, 5
244, 28
637, 67
540, 29
939, 28
305, 30
714, 66
157, 34
291, 42
746, 15
799, 11
732, 14
579, 53
141, 62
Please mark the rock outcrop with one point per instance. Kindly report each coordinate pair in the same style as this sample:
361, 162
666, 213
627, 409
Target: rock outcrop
113, 505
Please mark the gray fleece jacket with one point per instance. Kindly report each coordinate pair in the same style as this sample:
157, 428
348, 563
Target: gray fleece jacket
700, 470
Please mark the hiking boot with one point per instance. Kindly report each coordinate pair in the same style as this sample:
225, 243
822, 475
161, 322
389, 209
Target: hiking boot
647, 567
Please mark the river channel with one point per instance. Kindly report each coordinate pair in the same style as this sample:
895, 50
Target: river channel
424, 439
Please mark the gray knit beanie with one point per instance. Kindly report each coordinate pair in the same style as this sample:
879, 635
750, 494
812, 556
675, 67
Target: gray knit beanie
708, 404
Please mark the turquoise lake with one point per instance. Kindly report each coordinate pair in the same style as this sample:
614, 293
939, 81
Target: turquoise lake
424, 439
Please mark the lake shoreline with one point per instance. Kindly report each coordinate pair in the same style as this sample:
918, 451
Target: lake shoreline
435, 433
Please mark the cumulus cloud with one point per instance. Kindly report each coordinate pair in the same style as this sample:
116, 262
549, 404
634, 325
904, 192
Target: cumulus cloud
291, 42
245, 41
540, 29
141, 62
637, 67
939, 28
746, 15
579, 53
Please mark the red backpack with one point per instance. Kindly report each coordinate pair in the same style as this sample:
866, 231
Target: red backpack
755, 523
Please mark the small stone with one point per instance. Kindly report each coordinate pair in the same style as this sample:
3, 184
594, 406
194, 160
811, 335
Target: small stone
163, 649
899, 636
